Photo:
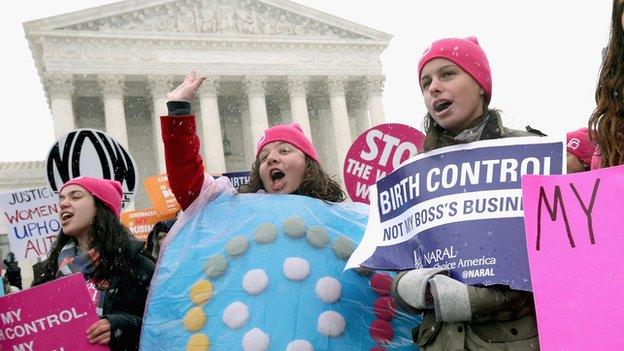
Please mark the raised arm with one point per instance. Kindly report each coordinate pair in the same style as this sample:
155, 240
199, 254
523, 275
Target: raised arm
185, 167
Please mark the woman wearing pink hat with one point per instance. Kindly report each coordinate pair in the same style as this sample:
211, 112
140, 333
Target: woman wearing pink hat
286, 161
93, 241
580, 150
456, 84
606, 124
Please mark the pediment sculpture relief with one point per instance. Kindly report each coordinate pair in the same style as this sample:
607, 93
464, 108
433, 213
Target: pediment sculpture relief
216, 17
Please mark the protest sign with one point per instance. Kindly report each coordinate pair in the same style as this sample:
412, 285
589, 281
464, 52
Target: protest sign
90, 152
376, 153
574, 228
141, 222
238, 178
50, 317
32, 220
460, 208
160, 195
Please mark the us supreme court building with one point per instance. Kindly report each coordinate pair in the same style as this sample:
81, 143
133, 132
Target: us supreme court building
267, 62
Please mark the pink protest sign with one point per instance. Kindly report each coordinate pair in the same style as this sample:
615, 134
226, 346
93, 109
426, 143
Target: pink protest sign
50, 317
376, 153
574, 229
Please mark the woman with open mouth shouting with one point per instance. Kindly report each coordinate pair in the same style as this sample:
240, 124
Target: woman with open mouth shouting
94, 242
456, 84
286, 161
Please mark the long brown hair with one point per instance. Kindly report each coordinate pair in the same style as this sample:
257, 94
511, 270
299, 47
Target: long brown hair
316, 183
109, 237
606, 123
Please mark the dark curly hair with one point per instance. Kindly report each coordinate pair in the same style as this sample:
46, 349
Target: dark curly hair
316, 183
107, 236
606, 124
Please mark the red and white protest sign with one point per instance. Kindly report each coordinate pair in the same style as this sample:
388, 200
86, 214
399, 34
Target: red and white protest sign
51, 316
376, 153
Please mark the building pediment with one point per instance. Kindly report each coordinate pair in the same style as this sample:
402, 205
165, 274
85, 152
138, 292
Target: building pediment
269, 18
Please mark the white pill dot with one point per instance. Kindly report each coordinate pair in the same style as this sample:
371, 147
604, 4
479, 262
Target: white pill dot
328, 289
256, 340
255, 281
331, 323
299, 345
296, 268
235, 315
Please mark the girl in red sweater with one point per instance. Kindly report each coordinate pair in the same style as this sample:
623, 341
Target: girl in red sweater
286, 161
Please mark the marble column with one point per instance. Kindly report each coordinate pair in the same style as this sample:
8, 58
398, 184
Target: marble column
112, 87
214, 159
297, 89
259, 121
362, 121
247, 141
340, 121
358, 111
374, 88
159, 87
60, 88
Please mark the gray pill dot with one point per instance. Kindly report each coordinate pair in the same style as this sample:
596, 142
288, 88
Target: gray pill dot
265, 234
294, 227
237, 246
215, 266
317, 236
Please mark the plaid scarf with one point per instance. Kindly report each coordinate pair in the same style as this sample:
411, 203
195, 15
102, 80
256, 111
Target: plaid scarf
72, 260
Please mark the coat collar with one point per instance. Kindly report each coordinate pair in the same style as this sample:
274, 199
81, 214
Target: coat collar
484, 128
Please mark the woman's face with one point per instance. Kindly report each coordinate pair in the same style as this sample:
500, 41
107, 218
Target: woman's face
452, 97
282, 167
574, 164
77, 210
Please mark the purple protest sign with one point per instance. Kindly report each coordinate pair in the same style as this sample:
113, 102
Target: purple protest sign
376, 153
52, 316
574, 227
238, 178
460, 208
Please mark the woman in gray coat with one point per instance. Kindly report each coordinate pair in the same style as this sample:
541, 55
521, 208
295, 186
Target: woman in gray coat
455, 80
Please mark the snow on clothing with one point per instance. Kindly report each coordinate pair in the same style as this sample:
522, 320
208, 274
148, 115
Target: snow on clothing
192, 187
72, 260
123, 301
463, 317
185, 167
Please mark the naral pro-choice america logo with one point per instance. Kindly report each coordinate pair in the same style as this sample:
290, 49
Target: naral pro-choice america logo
90, 152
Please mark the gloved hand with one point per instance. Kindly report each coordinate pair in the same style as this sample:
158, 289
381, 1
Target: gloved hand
410, 288
451, 300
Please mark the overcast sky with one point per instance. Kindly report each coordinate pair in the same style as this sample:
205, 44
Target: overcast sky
544, 55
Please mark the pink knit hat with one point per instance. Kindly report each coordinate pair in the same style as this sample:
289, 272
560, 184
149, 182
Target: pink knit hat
107, 191
290, 133
580, 145
465, 53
